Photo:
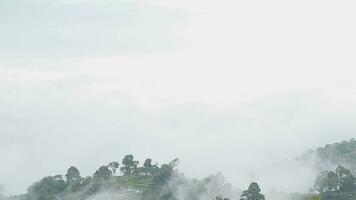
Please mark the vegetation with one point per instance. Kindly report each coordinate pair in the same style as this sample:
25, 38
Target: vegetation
338, 184
342, 153
314, 197
142, 181
132, 181
252, 193
149, 182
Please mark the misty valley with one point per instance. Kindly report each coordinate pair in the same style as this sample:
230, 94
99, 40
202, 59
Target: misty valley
130, 179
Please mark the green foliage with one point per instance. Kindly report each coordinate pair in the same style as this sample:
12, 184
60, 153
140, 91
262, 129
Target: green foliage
252, 193
129, 165
73, 175
153, 182
149, 169
341, 180
145, 181
327, 181
47, 189
103, 172
343, 153
314, 197
165, 172
113, 166
338, 185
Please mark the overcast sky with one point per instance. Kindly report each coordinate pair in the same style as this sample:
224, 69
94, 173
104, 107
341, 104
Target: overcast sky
232, 86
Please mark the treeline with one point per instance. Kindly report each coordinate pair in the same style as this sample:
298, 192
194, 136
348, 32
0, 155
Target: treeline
129, 167
130, 181
339, 184
113, 176
340, 153
252, 193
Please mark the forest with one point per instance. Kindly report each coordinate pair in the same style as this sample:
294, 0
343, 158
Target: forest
131, 180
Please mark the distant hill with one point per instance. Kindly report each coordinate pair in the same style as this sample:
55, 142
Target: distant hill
128, 182
150, 181
332, 155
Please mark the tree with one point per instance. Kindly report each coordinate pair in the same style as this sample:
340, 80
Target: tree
73, 175
341, 181
165, 172
327, 181
48, 188
138, 171
252, 193
347, 184
346, 179
148, 168
103, 172
114, 166
342, 171
147, 165
129, 165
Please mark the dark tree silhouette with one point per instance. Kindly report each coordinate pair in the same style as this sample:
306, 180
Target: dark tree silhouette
252, 193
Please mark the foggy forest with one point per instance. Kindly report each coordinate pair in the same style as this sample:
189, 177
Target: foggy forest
177, 100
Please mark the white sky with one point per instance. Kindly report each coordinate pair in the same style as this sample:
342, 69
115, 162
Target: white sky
215, 83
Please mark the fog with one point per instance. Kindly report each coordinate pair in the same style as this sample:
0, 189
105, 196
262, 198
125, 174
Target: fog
240, 88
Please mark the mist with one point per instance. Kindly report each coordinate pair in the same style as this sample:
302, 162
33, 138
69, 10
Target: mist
62, 134
238, 88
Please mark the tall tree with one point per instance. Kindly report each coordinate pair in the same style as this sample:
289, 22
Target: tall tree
165, 172
73, 175
129, 165
103, 172
252, 193
148, 168
114, 166
147, 165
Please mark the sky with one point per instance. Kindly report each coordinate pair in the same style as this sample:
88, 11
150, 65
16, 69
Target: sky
230, 86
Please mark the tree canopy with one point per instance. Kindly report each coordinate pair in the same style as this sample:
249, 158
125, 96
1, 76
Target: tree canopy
252, 193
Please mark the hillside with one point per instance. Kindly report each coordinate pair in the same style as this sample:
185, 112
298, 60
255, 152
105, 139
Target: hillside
332, 155
130, 181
